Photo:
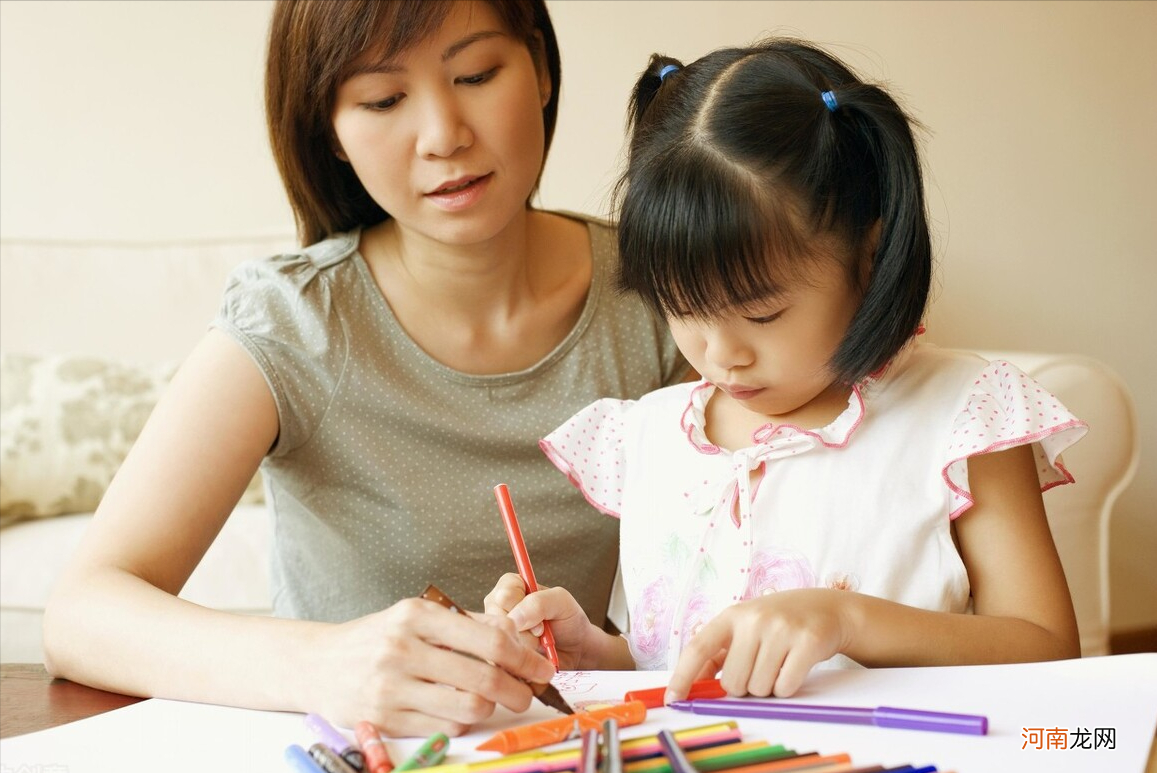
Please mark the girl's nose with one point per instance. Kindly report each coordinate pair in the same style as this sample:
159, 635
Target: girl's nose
726, 350
443, 130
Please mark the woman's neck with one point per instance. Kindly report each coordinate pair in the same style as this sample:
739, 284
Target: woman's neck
491, 307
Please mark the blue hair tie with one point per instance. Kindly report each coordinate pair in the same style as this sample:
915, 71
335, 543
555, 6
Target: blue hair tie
667, 71
829, 98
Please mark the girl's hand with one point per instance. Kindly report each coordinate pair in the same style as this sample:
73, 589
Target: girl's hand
580, 644
418, 668
766, 646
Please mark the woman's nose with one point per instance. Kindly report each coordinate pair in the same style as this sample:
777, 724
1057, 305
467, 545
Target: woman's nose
443, 130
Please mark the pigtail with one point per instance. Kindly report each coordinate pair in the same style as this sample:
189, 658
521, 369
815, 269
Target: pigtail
901, 266
659, 71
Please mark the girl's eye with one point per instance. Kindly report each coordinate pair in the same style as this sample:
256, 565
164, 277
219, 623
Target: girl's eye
479, 78
767, 319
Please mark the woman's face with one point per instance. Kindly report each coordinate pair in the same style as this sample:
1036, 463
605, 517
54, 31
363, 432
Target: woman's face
448, 135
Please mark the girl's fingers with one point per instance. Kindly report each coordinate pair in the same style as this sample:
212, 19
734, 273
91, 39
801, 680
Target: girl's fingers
795, 668
768, 666
507, 592
740, 659
695, 656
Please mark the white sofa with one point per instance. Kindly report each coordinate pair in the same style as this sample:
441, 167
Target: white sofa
144, 306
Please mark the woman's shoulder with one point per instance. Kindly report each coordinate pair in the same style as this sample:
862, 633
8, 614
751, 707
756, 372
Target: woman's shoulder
303, 263
601, 232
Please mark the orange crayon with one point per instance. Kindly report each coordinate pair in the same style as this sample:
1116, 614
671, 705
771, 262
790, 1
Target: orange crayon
563, 728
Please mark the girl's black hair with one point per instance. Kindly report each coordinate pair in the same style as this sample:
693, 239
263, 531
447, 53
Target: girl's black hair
737, 165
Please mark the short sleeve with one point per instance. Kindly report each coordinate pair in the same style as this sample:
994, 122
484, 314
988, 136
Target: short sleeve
280, 310
1005, 408
589, 449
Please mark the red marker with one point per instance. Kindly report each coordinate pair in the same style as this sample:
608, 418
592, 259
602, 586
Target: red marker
653, 698
522, 560
373, 747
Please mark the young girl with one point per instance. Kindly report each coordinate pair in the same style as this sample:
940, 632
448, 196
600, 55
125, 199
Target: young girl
389, 374
833, 490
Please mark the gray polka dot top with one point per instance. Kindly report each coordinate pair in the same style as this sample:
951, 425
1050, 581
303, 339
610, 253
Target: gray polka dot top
381, 479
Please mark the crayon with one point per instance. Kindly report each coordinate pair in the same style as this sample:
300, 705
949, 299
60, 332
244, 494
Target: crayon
563, 728
806, 761
373, 748
717, 758
547, 693
522, 561
328, 734
705, 736
655, 697
299, 759
430, 753
329, 760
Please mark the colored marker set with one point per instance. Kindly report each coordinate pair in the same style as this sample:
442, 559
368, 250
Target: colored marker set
333, 753
706, 749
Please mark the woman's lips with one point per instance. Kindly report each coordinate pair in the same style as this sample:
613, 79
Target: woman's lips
459, 194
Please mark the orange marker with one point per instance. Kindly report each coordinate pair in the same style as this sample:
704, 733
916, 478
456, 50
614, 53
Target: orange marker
533, 736
373, 747
522, 560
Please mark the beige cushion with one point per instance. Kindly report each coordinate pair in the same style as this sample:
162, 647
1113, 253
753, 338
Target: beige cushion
66, 424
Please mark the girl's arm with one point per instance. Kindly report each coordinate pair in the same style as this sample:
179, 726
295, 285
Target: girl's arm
581, 644
114, 620
1021, 604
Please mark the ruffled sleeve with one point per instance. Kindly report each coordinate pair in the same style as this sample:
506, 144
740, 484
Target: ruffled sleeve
589, 449
1006, 408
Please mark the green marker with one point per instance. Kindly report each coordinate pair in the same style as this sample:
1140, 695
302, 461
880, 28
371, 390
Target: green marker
432, 752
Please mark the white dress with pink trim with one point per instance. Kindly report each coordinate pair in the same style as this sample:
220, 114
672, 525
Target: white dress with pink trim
864, 504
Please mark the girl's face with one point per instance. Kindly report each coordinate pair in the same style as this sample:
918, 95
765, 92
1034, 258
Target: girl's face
771, 358
448, 136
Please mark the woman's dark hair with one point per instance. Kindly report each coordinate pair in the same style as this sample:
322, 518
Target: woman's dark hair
739, 161
312, 47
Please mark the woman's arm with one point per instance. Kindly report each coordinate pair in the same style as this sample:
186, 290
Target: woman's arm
114, 620
1021, 604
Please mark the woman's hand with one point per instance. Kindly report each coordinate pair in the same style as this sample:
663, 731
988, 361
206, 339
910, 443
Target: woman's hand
766, 646
418, 668
580, 644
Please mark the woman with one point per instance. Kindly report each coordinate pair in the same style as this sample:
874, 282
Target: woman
385, 377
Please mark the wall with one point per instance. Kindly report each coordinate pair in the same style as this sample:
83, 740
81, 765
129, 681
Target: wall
142, 121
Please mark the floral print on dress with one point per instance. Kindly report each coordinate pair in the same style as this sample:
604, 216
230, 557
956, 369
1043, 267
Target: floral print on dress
842, 581
775, 570
650, 624
697, 614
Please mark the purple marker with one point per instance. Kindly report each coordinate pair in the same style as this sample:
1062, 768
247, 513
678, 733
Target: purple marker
674, 753
342, 746
882, 716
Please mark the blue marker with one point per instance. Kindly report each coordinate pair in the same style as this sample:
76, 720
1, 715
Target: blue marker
342, 746
299, 759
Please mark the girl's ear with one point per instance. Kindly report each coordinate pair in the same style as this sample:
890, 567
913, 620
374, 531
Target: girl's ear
868, 254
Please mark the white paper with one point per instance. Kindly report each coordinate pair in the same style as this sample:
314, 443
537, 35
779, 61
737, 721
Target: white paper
1117, 692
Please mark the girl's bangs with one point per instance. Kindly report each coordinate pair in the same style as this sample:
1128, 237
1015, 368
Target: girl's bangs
699, 237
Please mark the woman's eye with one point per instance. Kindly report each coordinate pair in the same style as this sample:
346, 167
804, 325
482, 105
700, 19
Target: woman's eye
479, 78
385, 104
